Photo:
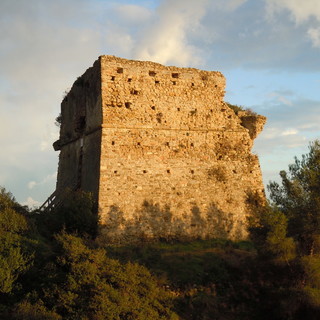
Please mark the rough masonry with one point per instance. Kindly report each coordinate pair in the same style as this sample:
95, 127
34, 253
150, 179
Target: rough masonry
162, 153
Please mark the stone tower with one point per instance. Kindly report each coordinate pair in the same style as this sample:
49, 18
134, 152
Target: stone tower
162, 153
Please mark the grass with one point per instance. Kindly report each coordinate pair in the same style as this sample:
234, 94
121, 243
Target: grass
210, 279
186, 264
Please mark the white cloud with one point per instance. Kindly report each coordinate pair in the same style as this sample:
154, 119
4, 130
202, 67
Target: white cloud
44, 47
31, 203
31, 184
300, 10
234, 4
314, 35
166, 39
45, 180
304, 13
133, 14
289, 132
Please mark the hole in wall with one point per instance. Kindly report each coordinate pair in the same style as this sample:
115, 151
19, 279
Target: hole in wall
192, 171
159, 117
153, 108
144, 171
113, 78
167, 144
178, 109
113, 143
120, 70
174, 82
191, 144
152, 73
128, 105
136, 92
115, 171
168, 170
139, 143
187, 134
157, 82
192, 84
234, 171
129, 79
175, 75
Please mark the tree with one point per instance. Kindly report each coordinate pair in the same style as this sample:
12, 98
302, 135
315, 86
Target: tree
299, 199
268, 231
15, 258
86, 285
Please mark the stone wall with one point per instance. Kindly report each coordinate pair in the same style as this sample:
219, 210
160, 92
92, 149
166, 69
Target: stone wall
174, 160
80, 134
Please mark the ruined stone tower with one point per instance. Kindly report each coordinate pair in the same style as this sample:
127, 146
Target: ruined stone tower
162, 153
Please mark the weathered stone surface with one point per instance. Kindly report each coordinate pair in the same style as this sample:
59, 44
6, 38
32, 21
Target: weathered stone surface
163, 154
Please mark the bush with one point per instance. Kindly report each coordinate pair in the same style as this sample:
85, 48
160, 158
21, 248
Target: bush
15, 256
89, 285
77, 214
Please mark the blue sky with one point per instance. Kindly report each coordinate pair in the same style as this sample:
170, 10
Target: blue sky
269, 51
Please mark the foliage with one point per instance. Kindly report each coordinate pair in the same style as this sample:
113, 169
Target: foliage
268, 230
299, 199
287, 235
276, 276
210, 278
58, 120
76, 214
15, 258
236, 108
37, 311
89, 285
